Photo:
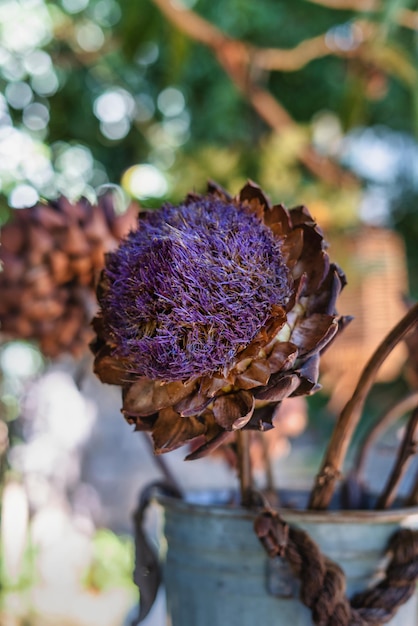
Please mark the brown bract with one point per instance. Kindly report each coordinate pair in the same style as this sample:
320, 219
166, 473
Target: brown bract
51, 257
281, 361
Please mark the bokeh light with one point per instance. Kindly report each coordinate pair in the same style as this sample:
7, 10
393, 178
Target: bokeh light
144, 181
115, 109
106, 12
74, 6
27, 25
18, 94
90, 36
147, 54
36, 116
20, 360
171, 102
23, 196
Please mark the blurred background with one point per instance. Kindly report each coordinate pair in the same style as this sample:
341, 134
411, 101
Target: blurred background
131, 103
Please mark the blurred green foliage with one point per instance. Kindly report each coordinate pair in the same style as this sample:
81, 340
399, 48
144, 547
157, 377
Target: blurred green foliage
99, 92
94, 73
112, 562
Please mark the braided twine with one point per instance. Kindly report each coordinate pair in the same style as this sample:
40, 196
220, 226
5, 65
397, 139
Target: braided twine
323, 581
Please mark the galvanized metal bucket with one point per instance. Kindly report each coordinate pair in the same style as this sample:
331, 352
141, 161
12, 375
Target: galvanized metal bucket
216, 572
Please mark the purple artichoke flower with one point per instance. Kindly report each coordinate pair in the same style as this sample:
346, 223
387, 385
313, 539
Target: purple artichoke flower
191, 288
212, 312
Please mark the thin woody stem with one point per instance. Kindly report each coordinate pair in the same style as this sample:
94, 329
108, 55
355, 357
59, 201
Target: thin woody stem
162, 465
412, 499
393, 413
244, 467
267, 462
335, 454
270, 492
407, 450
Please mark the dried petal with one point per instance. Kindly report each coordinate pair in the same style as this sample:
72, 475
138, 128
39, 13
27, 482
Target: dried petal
258, 373
298, 289
109, 369
234, 410
210, 386
283, 356
314, 332
308, 375
171, 431
218, 191
292, 247
145, 396
275, 323
278, 216
324, 300
262, 418
193, 404
314, 261
301, 216
209, 446
252, 195
142, 424
280, 387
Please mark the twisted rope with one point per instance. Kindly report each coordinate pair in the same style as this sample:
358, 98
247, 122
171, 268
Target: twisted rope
323, 588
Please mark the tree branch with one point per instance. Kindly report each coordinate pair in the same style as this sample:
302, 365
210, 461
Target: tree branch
349, 5
239, 61
191, 24
408, 19
404, 17
293, 59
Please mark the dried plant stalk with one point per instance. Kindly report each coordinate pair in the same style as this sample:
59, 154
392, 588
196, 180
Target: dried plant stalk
267, 463
412, 499
337, 448
393, 413
244, 467
162, 465
407, 450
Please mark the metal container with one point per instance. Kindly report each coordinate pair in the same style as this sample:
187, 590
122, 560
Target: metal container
216, 571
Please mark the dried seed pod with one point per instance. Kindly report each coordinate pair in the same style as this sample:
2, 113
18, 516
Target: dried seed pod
212, 313
51, 256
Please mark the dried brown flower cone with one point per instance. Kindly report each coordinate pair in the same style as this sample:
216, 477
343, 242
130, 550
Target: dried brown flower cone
281, 360
51, 257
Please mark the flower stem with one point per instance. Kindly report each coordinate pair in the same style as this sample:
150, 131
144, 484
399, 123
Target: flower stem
332, 464
162, 465
270, 492
244, 467
267, 462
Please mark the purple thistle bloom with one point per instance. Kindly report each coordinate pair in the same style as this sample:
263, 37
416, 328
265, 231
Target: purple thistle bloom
212, 313
191, 288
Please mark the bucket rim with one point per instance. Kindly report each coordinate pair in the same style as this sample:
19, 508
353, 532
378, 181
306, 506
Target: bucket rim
192, 504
